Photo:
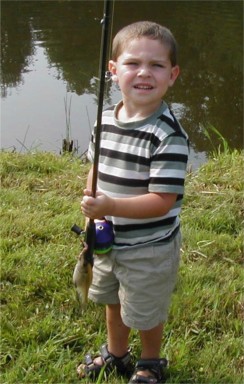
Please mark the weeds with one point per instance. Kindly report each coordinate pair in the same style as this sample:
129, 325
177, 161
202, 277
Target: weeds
44, 334
223, 147
67, 142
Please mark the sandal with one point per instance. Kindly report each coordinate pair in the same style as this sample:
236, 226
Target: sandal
110, 362
154, 366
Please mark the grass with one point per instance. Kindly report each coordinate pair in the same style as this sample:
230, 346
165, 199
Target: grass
43, 332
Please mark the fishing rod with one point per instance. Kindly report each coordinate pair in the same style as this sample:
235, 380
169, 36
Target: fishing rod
83, 272
90, 229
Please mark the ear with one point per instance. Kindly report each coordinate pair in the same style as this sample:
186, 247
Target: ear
175, 71
112, 68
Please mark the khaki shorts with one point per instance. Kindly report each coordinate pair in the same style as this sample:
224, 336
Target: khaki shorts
140, 279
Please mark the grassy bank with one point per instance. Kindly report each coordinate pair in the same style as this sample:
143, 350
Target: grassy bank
44, 334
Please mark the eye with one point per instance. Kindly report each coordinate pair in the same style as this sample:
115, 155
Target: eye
158, 65
131, 63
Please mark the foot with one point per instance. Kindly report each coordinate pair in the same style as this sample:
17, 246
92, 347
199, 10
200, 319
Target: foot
149, 371
92, 367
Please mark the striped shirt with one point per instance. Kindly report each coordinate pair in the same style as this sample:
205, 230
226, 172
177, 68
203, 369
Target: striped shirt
140, 157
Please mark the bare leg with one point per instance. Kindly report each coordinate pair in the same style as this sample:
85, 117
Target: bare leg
118, 335
118, 332
151, 343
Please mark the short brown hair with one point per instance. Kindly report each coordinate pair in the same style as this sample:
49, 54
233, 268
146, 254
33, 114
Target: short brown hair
148, 29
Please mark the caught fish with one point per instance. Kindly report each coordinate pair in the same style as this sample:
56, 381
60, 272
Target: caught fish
82, 277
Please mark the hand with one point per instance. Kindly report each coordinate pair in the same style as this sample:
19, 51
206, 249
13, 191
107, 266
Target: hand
96, 207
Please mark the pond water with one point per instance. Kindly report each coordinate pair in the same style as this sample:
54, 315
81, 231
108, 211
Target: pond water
50, 57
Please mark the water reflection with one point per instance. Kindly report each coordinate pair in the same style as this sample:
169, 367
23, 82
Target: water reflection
51, 49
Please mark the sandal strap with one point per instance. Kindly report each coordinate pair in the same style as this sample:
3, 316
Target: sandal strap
109, 363
155, 366
88, 359
121, 363
106, 356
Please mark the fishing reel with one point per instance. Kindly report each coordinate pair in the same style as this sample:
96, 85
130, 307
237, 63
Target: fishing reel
104, 235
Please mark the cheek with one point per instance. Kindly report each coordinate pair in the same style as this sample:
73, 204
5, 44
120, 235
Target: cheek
125, 78
165, 81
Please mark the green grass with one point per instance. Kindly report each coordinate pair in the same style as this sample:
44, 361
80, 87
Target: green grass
43, 332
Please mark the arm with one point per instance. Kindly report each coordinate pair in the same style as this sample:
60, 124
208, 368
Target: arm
138, 207
89, 187
145, 206
89, 179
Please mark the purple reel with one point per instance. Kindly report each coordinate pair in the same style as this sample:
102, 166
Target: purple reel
104, 236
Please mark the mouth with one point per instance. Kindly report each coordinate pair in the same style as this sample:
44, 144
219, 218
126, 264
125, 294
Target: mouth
143, 86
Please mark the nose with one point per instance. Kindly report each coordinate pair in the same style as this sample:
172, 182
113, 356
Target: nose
144, 72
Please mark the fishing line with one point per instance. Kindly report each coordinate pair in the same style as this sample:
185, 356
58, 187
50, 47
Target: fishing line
108, 74
111, 30
105, 40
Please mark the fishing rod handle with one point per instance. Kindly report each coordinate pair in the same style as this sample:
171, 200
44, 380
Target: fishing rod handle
90, 241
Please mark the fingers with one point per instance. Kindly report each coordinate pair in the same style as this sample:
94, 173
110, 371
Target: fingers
87, 192
94, 208
87, 199
86, 202
86, 206
90, 207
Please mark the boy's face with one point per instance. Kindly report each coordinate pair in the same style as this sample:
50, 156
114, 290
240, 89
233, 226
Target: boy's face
144, 72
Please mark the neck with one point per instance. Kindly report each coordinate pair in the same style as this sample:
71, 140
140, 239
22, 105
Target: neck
127, 112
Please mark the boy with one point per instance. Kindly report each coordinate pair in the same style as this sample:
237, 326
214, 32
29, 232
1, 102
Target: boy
142, 165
